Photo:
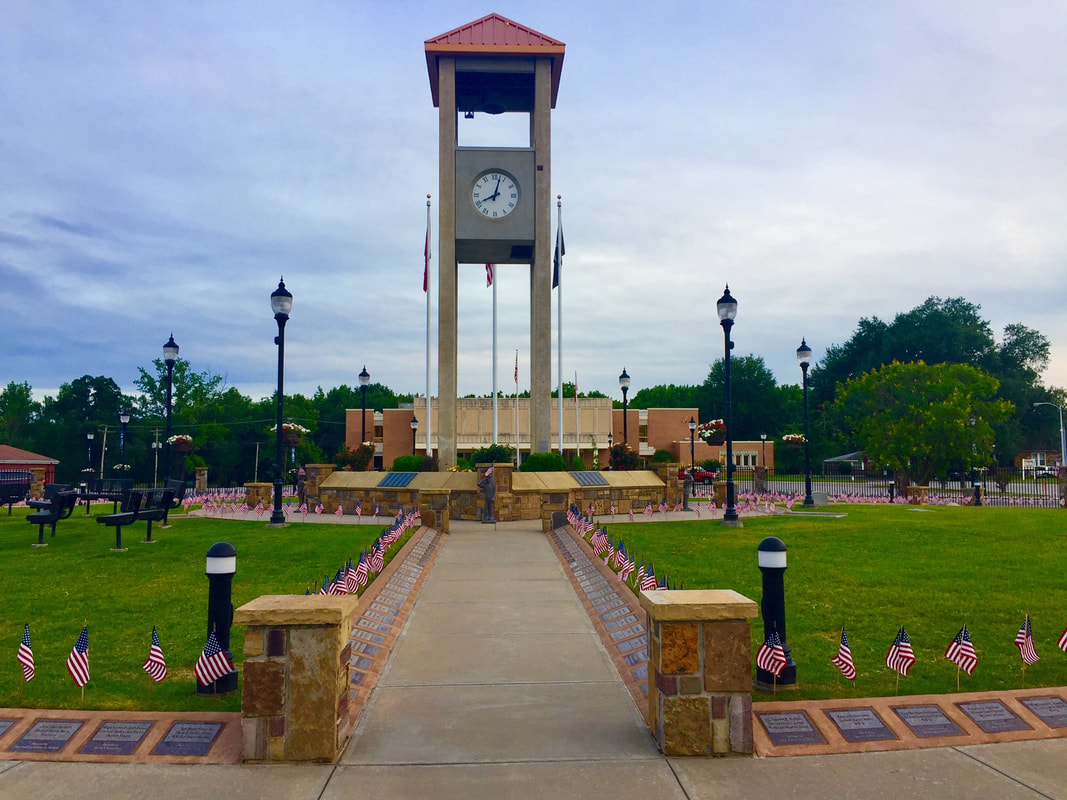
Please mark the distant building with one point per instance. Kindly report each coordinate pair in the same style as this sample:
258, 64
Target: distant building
15, 458
586, 425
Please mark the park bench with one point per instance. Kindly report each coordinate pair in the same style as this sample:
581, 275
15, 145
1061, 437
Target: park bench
58, 504
14, 486
113, 489
139, 506
177, 494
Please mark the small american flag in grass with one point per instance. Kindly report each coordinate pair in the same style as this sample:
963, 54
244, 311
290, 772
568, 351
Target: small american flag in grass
771, 655
213, 663
340, 512
900, 656
25, 654
961, 651
78, 660
1024, 640
843, 659
1062, 643
156, 665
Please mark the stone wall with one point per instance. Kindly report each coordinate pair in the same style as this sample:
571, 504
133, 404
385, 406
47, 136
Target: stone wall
700, 671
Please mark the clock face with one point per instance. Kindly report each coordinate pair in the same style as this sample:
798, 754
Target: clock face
495, 194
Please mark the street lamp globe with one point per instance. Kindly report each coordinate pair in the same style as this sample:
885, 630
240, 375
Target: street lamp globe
804, 354
170, 351
281, 301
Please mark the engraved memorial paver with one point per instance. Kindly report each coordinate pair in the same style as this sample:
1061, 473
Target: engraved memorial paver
618, 623
927, 721
632, 644
117, 737
626, 633
790, 727
860, 725
636, 657
1050, 710
992, 716
5, 725
618, 612
188, 739
618, 601
47, 736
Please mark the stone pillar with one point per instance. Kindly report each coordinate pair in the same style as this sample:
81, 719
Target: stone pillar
37, 483
700, 671
201, 479
314, 475
294, 704
541, 269
258, 493
434, 508
760, 479
719, 488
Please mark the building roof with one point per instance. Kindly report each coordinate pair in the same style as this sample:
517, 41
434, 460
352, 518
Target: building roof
15, 455
493, 35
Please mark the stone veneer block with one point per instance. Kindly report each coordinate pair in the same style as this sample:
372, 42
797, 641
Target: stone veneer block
686, 726
287, 609
690, 684
697, 605
720, 737
727, 657
253, 642
680, 648
275, 642
741, 723
313, 693
264, 692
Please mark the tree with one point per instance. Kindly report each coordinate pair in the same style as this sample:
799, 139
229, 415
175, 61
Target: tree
18, 414
923, 420
754, 396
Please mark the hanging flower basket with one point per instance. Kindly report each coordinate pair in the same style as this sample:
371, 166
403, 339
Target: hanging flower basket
715, 439
292, 433
291, 439
713, 432
181, 442
794, 441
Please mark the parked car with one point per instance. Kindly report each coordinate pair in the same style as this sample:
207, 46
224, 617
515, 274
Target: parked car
1046, 472
700, 475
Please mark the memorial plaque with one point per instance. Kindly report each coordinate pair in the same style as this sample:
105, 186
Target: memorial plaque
640, 641
626, 633
367, 636
361, 662
927, 721
618, 623
593, 585
605, 592
615, 614
790, 727
992, 716
636, 657
640, 673
385, 607
860, 725
371, 625
363, 647
47, 736
5, 725
188, 739
602, 607
1051, 710
115, 737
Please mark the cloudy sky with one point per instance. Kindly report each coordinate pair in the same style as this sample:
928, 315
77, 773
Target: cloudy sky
162, 164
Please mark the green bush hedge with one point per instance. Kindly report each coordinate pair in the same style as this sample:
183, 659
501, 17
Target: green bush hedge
542, 462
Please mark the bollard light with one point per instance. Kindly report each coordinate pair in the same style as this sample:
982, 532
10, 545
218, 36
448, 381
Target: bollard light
772, 563
220, 569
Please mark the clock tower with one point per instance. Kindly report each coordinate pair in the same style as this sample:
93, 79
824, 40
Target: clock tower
495, 202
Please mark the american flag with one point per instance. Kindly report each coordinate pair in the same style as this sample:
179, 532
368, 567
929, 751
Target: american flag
319, 508
377, 560
609, 554
259, 508
640, 574
613, 511
627, 569
663, 506
697, 507
648, 583
155, 666
771, 655
287, 509
426, 252
648, 509
1024, 640
1062, 643
362, 572
25, 654
213, 663
620, 555
843, 659
325, 588
359, 509
961, 651
340, 583
678, 506
304, 509
599, 542
631, 515
377, 509
351, 581
900, 656
340, 512
488, 275
78, 660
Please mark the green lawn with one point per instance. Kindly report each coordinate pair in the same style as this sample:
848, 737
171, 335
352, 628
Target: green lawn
77, 580
879, 567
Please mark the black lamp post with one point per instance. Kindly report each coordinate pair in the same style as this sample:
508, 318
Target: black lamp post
624, 384
220, 569
89, 438
771, 553
414, 427
692, 445
170, 358
804, 359
124, 418
763, 446
364, 379
610, 440
727, 309
281, 303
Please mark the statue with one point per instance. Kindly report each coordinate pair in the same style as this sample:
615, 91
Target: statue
687, 490
488, 487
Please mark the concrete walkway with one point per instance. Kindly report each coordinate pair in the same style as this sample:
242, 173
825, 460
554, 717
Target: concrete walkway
499, 688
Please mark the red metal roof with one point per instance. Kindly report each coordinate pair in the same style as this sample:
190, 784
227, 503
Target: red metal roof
13, 455
494, 35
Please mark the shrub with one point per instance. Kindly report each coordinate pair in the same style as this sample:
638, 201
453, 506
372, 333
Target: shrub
542, 462
711, 464
622, 457
493, 454
662, 457
463, 465
578, 464
409, 464
356, 460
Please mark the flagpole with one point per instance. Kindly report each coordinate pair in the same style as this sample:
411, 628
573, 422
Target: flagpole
496, 426
518, 459
426, 286
559, 317
577, 420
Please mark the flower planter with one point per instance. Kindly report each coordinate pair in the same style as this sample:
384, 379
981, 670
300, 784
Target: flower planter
716, 440
182, 447
290, 439
795, 445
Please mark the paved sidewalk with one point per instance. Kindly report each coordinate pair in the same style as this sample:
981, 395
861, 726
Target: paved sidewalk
499, 688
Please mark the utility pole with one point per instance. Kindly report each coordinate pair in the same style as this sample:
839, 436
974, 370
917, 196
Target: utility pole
103, 451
